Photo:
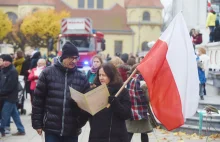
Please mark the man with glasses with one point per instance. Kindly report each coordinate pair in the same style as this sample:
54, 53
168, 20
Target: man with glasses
53, 110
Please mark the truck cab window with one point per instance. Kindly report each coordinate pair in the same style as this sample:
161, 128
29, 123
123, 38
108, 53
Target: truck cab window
83, 43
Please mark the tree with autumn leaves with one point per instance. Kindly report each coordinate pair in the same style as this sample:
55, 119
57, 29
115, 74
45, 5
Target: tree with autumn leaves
35, 30
5, 25
16, 37
41, 26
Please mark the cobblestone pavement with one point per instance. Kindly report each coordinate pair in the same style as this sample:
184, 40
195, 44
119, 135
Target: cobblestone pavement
157, 136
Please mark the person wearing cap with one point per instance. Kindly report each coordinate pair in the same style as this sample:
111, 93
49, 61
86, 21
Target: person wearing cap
9, 91
53, 110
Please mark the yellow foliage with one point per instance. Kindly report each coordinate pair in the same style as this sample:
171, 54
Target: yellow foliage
179, 134
215, 136
5, 25
43, 23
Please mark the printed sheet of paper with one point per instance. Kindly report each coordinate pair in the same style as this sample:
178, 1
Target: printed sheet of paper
80, 99
97, 99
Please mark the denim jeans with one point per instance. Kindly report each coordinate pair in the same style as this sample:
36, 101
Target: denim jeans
211, 38
10, 110
201, 90
57, 138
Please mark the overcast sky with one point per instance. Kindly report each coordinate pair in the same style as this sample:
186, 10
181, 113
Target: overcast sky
167, 7
166, 2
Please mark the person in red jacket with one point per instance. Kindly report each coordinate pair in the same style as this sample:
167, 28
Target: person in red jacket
35, 72
197, 38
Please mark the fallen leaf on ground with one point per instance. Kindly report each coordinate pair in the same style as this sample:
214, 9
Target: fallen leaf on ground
201, 137
194, 135
179, 134
215, 136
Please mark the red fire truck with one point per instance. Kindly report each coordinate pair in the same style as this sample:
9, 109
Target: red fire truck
79, 32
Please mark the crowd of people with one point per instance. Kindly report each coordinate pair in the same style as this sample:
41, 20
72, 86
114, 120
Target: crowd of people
53, 110
11, 67
55, 113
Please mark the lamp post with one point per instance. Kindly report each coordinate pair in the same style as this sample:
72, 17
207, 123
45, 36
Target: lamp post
139, 35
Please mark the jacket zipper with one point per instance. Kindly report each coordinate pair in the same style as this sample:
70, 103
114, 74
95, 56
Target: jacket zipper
110, 129
64, 103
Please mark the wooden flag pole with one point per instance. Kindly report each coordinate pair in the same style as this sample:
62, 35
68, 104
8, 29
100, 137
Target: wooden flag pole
123, 86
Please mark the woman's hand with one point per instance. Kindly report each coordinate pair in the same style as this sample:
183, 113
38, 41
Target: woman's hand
92, 85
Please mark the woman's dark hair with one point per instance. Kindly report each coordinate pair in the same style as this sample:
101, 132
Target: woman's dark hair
111, 72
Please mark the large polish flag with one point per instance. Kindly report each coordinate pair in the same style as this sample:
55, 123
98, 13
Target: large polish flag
170, 71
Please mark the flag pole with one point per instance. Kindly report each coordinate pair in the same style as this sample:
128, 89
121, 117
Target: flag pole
123, 86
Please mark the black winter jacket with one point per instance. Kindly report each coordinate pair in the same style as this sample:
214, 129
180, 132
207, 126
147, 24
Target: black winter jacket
53, 110
108, 125
9, 84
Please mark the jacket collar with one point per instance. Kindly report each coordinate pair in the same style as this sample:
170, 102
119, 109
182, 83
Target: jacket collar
113, 89
6, 69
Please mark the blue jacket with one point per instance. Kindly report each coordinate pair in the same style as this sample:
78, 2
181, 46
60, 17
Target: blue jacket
201, 73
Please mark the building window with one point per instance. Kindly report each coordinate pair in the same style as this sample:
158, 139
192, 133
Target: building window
90, 3
118, 47
81, 3
100, 4
145, 46
12, 16
146, 16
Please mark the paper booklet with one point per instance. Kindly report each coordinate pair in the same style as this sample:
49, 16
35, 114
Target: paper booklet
93, 101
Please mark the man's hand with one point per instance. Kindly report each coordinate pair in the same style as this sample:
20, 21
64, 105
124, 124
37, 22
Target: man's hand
39, 131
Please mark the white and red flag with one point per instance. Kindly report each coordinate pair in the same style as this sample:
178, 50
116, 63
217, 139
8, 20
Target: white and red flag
170, 71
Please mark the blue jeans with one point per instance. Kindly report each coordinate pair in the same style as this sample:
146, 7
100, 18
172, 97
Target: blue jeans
10, 110
201, 89
211, 38
57, 138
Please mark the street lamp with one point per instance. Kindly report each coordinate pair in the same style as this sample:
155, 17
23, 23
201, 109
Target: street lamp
139, 35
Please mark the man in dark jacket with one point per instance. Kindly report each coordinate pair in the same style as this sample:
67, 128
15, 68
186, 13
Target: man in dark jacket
216, 33
53, 109
25, 72
9, 91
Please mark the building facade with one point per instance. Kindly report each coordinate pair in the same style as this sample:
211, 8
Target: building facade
128, 25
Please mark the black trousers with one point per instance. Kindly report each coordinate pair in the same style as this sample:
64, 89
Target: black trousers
144, 137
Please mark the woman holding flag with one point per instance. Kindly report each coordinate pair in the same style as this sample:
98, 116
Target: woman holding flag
108, 125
